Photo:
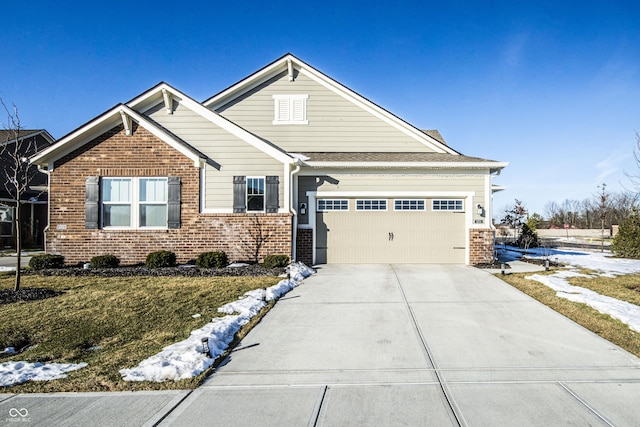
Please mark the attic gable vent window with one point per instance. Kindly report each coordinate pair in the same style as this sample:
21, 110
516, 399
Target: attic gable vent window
290, 109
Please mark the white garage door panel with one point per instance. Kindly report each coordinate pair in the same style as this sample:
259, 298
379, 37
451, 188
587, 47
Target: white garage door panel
390, 237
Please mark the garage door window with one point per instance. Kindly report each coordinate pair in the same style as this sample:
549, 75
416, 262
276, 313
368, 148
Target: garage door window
371, 205
448, 205
408, 205
333, 205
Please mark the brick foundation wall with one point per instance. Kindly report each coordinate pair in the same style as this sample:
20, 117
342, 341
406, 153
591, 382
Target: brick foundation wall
481, 245
304, 246
142, 154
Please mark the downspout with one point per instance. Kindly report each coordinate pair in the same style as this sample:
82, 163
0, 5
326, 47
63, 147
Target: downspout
293, 211
46, 229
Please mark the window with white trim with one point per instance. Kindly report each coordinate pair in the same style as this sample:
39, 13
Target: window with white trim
448, 205
371, 205
255, 193
290, 109
333, 205
408, 205
134, 202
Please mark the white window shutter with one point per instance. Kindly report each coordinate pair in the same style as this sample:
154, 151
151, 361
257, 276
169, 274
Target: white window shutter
298, 110
282, 110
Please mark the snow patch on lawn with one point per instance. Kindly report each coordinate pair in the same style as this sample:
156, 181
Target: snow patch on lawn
188, 358
604, 265
12, 373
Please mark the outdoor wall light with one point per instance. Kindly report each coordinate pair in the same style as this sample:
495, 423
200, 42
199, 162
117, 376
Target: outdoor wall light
479, 209
205, 345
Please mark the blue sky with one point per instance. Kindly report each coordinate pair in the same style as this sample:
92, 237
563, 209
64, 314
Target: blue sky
553, 87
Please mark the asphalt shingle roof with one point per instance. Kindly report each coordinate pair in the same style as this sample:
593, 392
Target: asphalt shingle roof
389, 157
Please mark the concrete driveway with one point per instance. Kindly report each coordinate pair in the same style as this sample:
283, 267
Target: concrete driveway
416, 345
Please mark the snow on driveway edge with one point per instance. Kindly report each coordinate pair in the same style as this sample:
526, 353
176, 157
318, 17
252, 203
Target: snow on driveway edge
186, 359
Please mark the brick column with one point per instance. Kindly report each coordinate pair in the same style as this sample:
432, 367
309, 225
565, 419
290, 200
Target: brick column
304, 246
481, 245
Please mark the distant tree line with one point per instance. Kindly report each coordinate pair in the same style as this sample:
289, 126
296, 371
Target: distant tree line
588, 213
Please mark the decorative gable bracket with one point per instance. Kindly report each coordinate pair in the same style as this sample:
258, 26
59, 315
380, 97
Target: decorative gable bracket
126, 122
168, 101
290, 69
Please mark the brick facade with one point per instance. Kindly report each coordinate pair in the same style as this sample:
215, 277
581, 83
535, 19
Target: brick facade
304, 245
481, 245
142, 154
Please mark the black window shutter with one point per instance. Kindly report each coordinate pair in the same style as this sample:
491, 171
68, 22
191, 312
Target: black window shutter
239, 194
173, 202
272, 195
92, 198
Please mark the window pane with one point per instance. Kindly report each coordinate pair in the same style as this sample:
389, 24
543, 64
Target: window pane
153, 215
255, 203
255, 186
255, 194
448, 205
409, 205
116, 189
333, 205
117, 215
153, 189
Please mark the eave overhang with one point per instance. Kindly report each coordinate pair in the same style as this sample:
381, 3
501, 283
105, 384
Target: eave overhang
118, 114
491, 166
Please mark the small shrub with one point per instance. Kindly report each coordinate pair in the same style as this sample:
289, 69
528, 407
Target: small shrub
105, 261
275, 261
626, 243
217, 259
40, 262
161, 259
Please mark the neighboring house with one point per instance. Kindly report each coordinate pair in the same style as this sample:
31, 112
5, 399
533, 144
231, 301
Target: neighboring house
34, 200
286, 161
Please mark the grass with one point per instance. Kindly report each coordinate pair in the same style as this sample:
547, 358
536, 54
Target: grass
620, 287
130, 318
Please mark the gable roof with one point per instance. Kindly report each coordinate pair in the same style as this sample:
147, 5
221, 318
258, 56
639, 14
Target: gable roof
105, 122
150, 98
288, 62
8, 136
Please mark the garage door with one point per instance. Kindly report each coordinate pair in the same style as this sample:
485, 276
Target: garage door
373, 231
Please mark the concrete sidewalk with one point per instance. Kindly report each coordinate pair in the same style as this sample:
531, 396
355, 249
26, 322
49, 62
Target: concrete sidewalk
387, 345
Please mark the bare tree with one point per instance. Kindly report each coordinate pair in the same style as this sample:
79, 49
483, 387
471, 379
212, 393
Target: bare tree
17, 174
256, 237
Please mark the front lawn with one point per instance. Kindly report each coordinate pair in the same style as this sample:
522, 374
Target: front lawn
111, 323
625, 288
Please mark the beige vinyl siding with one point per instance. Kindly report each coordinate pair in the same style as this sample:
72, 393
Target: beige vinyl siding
235, 157
335, 124
415, 181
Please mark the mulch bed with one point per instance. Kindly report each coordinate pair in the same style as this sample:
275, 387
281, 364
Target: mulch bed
190, 271
8, 296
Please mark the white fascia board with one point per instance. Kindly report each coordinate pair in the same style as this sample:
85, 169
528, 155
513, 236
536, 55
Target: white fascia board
159, 133
405, 165
79, 137
227, 125
46, 135
148, 99
374, 109
279, 66
248, 83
